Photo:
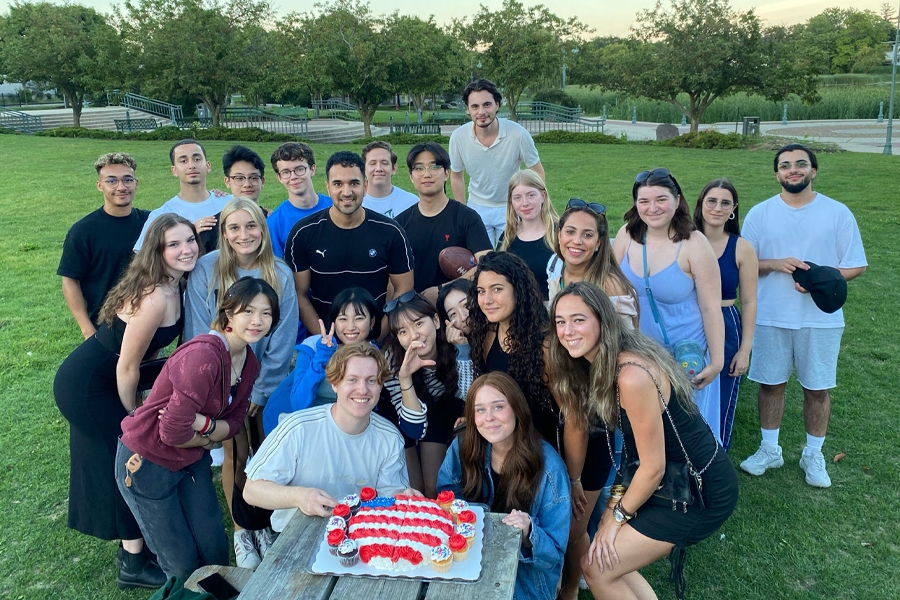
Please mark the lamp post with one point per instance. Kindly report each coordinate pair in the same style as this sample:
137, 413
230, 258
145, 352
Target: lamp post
890, 126
574, 51
472, 66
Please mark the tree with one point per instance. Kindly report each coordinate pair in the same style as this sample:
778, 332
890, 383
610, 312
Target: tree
517, 45
862, 31
301, 57
71, 48
585, 66
200, 48
703, 49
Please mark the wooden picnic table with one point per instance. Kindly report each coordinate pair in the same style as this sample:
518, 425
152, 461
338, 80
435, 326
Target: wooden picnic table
283, 573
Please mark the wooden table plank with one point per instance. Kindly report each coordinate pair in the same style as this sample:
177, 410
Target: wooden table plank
499, 564
283, 572
236, 576
364, 588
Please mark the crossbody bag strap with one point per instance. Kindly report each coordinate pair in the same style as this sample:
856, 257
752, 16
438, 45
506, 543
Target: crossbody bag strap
653, 307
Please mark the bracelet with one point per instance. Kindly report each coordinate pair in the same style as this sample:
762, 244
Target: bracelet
621, 508
576, 480
205, 426
210, 431
406, 389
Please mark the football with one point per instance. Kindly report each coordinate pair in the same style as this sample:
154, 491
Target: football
455, 261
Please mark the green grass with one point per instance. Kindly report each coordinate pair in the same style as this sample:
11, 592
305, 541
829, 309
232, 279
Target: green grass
785, 540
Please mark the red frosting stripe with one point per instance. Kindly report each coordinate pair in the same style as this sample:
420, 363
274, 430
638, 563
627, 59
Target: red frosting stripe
457, 542
367, 494
365, 532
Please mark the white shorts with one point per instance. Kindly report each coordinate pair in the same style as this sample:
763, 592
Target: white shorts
813, 352
494, 219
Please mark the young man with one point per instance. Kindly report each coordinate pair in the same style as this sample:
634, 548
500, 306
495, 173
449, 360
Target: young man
346, 245
294, 165
791, 331
98, 247
383, 196
435, 222
318, 455
194, 202
490, 150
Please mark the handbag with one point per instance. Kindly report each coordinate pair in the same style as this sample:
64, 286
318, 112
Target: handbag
688, 353
681, 483
251, 518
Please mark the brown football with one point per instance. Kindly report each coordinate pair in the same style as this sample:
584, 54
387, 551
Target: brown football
455, 261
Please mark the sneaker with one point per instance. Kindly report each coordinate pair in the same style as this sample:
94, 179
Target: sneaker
264, 540
767, 457
245, 554
813, 464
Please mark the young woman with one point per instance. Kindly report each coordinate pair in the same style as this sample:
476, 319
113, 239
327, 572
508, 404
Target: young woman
624, 379
245, 250
453, 309
426, 392
502, 462
716, 216
583, 253
530, 224
659, 244
95, 387
354, 317
201, 396
508, 331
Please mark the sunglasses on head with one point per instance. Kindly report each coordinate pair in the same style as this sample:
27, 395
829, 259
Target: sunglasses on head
659, 174
401, 299
579, 203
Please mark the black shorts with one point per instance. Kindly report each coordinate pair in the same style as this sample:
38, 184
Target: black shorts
442, 414
597, 461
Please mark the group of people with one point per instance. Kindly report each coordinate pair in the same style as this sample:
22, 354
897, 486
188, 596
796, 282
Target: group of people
325, 349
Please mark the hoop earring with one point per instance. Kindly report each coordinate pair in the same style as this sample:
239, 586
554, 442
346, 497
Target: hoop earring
731, 217
228, 330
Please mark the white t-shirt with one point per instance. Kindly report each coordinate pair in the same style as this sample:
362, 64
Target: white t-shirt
189, 210
490, 169
824, 232
391, 205
308, 449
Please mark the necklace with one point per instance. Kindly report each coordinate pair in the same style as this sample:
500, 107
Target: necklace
236, 373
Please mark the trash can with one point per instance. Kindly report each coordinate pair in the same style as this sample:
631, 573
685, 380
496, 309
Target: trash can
751, 126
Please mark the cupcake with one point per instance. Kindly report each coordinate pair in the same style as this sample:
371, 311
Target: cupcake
352, 502
466, 530
336, 523
366, 494
334, 537
342, 511
441, 558
456, 507
445, 499
466, 516
348, 553
459, 547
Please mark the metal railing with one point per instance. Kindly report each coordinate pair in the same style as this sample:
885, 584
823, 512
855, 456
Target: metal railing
20, 121
335, 109
264, 119
154, 107
579, 125
525, 111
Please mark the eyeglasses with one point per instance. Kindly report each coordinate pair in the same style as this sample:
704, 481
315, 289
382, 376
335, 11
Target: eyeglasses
401, 299
579, 203
253, 179
114, 183
726, 204
298, 171
431, 168
657, 173
800, 164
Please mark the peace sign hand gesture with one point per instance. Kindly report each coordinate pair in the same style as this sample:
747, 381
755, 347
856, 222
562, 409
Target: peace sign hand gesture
412, 362
327, 337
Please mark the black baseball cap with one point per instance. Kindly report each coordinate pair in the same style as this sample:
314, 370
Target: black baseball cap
826, 285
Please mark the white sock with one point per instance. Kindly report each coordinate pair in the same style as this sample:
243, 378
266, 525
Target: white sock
770, 436
814, 443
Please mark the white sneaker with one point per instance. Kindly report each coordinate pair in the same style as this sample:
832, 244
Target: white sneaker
767, 457
245, 554
813, 464
264, 540
218, 456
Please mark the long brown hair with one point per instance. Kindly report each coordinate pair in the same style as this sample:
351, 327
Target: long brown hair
146, 271
523, 466
680, 227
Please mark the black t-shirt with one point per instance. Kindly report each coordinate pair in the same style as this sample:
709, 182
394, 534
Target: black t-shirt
536, 255
341, 258
456, 225
97, 251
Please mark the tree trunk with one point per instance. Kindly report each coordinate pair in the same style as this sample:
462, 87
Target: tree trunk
513, 100
366, 113
419, 101
695, 123
77, 105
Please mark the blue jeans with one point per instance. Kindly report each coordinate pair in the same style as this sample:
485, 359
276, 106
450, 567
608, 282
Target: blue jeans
178, 513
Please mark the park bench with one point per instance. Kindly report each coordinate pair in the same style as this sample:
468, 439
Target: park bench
129, 125
202, 122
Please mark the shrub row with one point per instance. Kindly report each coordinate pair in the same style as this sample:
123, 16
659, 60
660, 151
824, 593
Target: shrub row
248, 134
405, 139
573, 137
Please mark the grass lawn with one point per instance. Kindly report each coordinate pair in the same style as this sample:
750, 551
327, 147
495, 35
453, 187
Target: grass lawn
785, 540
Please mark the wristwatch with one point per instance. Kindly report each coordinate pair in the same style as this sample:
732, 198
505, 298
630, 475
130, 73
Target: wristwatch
619, 515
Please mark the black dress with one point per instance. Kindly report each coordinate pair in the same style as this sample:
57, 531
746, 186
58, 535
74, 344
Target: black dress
87, 396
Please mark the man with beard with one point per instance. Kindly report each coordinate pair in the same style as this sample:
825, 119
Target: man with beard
346, 245
788, 231
490, 150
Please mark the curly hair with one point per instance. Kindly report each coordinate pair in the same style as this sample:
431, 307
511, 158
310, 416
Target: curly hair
529, 325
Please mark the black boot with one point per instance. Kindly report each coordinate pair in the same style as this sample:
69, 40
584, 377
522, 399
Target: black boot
137, 571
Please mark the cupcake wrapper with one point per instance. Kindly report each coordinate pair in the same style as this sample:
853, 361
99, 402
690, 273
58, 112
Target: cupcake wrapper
459, 556
333, 550
442, 567
349, 561
470, 541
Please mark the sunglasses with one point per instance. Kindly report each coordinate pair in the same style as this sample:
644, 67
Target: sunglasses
657, 173
401, 299
578, 203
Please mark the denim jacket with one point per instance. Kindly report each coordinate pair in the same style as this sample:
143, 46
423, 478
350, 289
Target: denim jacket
540, 566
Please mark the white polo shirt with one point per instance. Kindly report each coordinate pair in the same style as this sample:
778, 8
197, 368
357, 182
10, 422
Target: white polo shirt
490, 168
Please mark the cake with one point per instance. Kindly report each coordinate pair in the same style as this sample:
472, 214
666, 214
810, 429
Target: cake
400, 535
352, 502
348, 553
445, 499
459, 546
467, 530
366, 494
456, 507
334, 538
441, 558
336, 523
342, 511
466, 516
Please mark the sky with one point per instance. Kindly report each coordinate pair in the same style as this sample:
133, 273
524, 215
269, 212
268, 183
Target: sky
605, 17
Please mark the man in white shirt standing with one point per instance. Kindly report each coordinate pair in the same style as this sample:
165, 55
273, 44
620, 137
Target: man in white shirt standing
491, 150
316, 456
194, 202
382, 195
797, 227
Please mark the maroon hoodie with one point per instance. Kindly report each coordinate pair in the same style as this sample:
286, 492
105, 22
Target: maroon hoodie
195, 379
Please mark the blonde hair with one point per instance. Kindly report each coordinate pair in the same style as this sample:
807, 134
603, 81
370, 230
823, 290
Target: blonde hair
549, 217
225, 271
337, 366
